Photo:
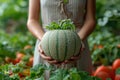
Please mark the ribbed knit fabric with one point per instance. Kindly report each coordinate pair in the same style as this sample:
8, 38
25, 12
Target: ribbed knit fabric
55, 10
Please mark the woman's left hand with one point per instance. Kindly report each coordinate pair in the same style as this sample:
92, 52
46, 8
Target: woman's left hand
75, 58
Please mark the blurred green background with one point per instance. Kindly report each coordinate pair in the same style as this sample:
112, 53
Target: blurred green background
104, 41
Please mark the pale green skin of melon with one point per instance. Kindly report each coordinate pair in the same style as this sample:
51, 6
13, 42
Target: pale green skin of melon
61, 44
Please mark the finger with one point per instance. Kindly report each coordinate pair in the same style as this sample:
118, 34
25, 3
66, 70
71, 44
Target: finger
68, 61
53, 61
42, 54
40, 49
82, 46
45, 57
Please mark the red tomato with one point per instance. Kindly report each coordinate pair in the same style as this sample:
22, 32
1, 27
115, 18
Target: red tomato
117, 77
100, 46
118, 45
30, 63
116, 64
102, 75
106, 69
112, 72
21, 75
15, 61
19, 55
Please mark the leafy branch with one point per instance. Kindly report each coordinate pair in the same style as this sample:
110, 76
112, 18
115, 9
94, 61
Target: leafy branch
66, 24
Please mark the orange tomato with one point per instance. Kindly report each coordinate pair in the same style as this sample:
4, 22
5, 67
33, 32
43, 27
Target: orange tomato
15, 61
26, 72
100, 46
116, 64
118, 45
27, 47
112, 72
117, 77
19, 55
106, 69
30, 63
102, 75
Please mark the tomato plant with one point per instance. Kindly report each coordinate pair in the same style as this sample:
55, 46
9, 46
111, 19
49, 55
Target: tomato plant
21, 71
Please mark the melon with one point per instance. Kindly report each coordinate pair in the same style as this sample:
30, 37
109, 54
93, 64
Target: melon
61, 44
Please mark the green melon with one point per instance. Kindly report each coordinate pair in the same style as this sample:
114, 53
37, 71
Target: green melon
61, 44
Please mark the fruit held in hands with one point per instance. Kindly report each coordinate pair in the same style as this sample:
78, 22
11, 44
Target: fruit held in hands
60, 44
62, 41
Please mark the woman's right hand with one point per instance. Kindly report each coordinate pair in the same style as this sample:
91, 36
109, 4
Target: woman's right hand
47, 58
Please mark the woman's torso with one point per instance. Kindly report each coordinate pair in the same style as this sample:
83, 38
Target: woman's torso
55, 10
51, 11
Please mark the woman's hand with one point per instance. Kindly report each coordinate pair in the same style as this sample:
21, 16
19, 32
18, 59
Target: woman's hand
47, 58
52, 61
82, 46
75, 58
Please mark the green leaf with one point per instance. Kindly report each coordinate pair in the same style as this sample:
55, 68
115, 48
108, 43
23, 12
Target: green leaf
75, 76
65, 24
37, 71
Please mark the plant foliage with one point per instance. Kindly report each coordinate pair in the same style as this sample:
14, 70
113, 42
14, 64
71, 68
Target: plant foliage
65, 24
